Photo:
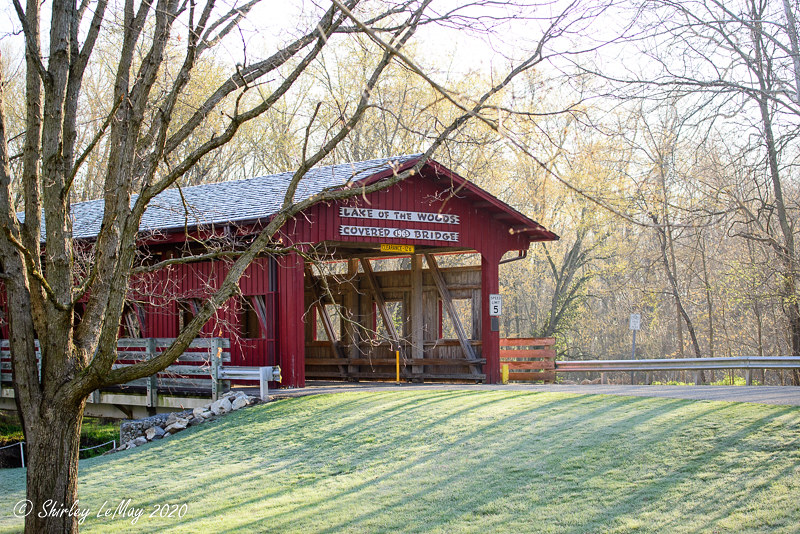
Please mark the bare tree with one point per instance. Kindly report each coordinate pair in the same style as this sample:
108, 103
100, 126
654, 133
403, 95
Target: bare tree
733, 66
146, 139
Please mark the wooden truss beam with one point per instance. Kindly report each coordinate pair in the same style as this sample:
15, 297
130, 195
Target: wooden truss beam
380, 302
447, 300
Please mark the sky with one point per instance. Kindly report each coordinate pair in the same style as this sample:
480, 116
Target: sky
480, 43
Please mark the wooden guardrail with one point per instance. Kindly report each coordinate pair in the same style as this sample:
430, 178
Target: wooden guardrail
529, 359
196, 370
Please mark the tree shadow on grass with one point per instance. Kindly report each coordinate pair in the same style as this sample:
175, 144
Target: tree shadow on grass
310, 449
650, 494
300, 450
521, 460
479, 488
476, 493
153, 456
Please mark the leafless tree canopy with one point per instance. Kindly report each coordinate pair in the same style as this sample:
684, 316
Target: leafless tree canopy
122, 100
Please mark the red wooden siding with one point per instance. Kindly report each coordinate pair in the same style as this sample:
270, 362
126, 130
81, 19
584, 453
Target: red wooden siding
291, 330
197, 281
478, 229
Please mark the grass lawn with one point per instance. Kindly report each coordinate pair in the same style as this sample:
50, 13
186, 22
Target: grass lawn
453, 461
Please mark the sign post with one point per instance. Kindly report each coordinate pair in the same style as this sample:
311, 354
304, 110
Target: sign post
635, 324
495, 311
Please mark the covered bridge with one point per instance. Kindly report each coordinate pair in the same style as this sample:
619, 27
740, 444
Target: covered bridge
347, 317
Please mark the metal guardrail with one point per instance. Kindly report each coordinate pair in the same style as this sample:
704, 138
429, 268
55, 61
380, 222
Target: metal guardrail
748, 363
682, 364
262, 374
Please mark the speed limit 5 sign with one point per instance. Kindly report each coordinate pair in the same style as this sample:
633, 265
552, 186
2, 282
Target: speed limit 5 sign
495, 305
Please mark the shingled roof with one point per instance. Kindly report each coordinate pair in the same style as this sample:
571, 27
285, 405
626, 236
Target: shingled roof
258, 198
228, 202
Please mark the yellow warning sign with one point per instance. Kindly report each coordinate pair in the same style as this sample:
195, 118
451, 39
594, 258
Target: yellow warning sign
404, 249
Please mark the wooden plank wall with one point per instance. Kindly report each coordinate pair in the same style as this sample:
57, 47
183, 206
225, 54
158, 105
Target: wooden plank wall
427, 192
367, 357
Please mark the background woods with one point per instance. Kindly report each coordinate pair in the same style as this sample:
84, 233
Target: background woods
658, 138
124, 100
706, 249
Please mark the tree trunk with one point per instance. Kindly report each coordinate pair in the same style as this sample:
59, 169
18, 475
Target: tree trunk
792, 311
709, 299
673, 282
52, 478
674, 267
791, 31
785, 250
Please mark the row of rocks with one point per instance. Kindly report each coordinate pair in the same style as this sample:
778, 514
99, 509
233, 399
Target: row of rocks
138, 432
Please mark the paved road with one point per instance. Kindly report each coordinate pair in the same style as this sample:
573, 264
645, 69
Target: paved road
782, 395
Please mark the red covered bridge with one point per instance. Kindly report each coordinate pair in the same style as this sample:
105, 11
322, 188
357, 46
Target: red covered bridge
382, 286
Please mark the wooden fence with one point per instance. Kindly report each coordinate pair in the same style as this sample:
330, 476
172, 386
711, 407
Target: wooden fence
529, 359
195, 371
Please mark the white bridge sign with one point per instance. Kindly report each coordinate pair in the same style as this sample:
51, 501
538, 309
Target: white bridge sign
394, 215
398, 233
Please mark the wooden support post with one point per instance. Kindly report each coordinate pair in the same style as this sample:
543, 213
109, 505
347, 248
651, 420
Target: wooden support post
291, 318
264, 376
330, 333
477, 320
603, 378
152, 380
697, 378
351, 309
215, 353
490, 337
380, 302
417, 314
748, 377
447, 300
648, 378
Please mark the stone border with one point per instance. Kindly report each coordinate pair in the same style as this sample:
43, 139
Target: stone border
133, 433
